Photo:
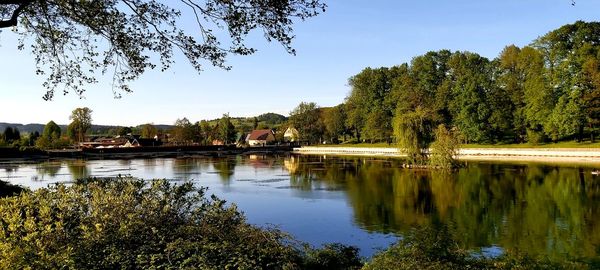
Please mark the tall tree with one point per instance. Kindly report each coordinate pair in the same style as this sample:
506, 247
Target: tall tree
148, 131
183, 132
51, 131
508, 115
71, 40
124, 131
471, 83
306, 119
335, 123
81, 122
369, 89
226, 130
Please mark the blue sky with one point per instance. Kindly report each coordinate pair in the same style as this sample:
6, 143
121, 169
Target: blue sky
351, 35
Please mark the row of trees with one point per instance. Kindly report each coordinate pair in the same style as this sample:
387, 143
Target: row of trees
203, 133
547, 91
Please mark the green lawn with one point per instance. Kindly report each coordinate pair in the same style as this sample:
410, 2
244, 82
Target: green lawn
568, 144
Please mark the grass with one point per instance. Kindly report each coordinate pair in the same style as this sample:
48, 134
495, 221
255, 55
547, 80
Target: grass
566, 144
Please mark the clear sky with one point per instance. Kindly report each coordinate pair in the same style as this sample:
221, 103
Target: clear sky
351, 35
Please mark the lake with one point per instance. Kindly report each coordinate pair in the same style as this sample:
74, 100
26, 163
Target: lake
541, 209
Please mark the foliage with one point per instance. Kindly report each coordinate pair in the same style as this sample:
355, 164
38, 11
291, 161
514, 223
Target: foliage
331, 257
124, 131
435, 248
133, 224
444, 149
51, 131
334, 121
148, 131
184, 131
72, 40
226, 130
10, 135
412, 131
306, 118
425, 248
550, 89
270, 119
81, 122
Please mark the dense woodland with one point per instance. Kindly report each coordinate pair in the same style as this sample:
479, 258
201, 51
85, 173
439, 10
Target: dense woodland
546, 91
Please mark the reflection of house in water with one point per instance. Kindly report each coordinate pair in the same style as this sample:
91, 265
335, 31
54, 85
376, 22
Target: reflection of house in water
291, 163
261, 161
120, 142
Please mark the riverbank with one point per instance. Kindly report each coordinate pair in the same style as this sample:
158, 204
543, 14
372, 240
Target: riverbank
139, 152
569, 155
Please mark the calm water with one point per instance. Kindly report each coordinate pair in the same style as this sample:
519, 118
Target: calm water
368, 202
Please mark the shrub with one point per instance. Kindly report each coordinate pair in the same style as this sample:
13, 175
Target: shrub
127, 224
133, 224
445, 147
433, 248
332, 257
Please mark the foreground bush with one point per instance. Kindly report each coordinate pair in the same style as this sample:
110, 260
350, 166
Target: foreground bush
132, 224
434, 248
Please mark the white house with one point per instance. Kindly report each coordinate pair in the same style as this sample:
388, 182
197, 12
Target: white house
291, 135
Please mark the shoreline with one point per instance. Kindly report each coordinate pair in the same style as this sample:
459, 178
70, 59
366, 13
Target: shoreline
553, 155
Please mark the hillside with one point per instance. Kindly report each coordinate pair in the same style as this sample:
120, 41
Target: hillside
266, 120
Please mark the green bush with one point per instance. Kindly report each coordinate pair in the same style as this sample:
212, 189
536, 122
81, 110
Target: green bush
445, 148
434, 248
332, 257
133, 224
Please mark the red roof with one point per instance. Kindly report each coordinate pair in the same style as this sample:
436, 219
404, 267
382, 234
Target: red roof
260, 135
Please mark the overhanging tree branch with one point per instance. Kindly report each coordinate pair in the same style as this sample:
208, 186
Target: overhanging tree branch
15, 15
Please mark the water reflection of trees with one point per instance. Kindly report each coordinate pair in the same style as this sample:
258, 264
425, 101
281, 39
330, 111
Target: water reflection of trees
78, 169
48, 168
225, 167
533, 208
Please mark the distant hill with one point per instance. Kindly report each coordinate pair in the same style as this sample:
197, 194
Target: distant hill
270, 120
29, 128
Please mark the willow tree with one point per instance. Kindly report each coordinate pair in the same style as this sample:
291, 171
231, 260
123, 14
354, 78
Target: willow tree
74, 41
413, 134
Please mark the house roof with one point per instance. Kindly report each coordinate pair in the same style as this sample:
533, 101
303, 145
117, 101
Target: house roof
260, 134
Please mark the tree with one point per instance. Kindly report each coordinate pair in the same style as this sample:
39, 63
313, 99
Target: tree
81, 122
72, 40
206, 133
124, 131
11, 135
148, 131
306, 119
183, 132
471, 84
369, 89
335, 123
445, 147
32, 138
51, 131
226, 130
413, 133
